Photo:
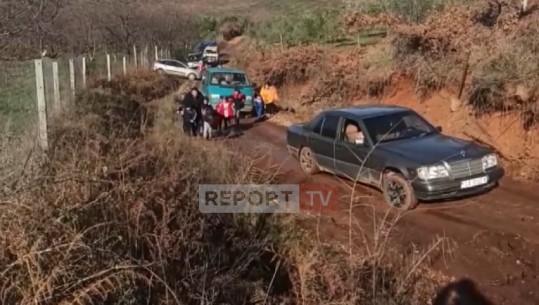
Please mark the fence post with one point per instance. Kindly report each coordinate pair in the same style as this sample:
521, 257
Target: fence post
83, 72
56, 84
72, 77
109, 74
41, 105
156, 55
125, 65
146, 59
135, 55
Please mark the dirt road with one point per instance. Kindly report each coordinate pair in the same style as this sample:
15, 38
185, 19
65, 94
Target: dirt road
496, 235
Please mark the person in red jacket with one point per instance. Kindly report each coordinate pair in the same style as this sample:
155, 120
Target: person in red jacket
225, 109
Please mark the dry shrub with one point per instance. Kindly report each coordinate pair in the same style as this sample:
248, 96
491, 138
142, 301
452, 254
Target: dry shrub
371, 269
146, 85
231, 29
433, 53
295, 65
328, 77
507, 79
113, 217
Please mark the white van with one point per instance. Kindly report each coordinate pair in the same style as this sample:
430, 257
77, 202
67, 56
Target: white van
211, 54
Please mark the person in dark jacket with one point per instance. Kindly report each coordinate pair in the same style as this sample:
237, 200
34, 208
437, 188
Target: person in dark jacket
208, 117
189, 118
239, 103
194, 99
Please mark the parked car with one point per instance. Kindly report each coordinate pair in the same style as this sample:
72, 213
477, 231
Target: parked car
193, 60
176, 68
395, 150
223, 81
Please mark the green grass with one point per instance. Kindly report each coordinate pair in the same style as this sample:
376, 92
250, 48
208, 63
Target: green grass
257, 10
17, 97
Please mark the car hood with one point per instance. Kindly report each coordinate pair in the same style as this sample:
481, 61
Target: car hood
434, 148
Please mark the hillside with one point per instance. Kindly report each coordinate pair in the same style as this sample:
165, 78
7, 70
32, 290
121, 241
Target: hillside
254, 9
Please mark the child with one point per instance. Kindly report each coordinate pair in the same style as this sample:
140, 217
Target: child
259, 106
225, 110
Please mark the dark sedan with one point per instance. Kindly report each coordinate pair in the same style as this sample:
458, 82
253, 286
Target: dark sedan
395, 150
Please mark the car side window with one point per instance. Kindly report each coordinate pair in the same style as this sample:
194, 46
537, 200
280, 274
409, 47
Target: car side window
351, 132
331, 124
316, 124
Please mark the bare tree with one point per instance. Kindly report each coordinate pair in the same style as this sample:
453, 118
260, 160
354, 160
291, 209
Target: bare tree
31, 28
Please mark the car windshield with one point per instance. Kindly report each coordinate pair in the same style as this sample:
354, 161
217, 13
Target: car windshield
229, 79
397, 126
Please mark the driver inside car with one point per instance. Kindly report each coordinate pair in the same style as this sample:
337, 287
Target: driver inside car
353, 134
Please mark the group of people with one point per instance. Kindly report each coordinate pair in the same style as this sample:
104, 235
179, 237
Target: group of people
201, 119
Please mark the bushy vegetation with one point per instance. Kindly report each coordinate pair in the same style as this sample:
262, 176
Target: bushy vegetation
411, 11
299, 28
111, 217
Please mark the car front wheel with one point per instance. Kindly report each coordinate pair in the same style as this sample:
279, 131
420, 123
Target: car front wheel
307, 161
398, 192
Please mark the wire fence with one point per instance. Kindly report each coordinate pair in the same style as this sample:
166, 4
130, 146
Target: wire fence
36, 89
17, 97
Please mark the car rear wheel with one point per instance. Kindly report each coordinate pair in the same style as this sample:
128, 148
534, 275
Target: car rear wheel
398, 192
307, 161
191, 76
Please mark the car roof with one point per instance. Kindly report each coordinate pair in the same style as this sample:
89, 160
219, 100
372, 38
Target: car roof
229, 70
169, 59
368, 110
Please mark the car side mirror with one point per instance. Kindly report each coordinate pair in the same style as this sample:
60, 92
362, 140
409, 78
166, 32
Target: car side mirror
439, 128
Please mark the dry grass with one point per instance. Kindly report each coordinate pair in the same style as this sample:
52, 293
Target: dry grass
112, 217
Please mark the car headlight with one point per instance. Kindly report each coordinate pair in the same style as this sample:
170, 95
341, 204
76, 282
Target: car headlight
432, 172
489, 161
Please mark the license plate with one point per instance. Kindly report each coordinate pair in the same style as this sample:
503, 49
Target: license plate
473, 182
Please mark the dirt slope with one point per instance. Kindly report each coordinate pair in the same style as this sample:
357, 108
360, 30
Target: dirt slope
494, 237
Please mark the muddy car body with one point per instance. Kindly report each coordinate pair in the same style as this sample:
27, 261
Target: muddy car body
395, 150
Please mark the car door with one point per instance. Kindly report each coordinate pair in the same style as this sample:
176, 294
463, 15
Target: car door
167, 66
322, 140
178, 68
353, 160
